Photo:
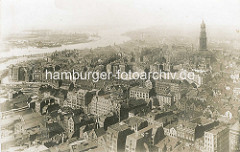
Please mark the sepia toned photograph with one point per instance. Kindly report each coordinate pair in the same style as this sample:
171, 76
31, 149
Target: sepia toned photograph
120, 75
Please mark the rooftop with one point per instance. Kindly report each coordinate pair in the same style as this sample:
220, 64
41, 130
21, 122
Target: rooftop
187, 124
217, 130
202, 121
235, 127
139, 89
36, 148
168, 141
119, 126
99, 132
139, 134
134, 120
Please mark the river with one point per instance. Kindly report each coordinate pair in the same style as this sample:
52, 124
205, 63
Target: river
108, 37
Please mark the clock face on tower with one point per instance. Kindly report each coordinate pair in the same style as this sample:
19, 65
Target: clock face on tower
148, 84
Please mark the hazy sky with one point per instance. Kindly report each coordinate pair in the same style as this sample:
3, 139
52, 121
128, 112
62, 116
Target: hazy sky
17, 15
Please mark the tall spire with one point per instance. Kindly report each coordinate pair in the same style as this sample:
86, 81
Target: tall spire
203, 38
203, 24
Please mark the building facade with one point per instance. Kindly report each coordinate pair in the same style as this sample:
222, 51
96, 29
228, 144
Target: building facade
216, 140
116, 137
164, 99
79, 99
139, 93
102, 105
234, 137
187, 131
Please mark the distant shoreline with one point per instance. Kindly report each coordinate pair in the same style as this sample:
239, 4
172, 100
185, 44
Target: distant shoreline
106, 38
55, 45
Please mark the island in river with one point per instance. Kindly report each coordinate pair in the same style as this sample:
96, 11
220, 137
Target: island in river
48, 39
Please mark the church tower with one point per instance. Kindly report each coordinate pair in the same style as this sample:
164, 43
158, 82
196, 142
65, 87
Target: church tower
203, 38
